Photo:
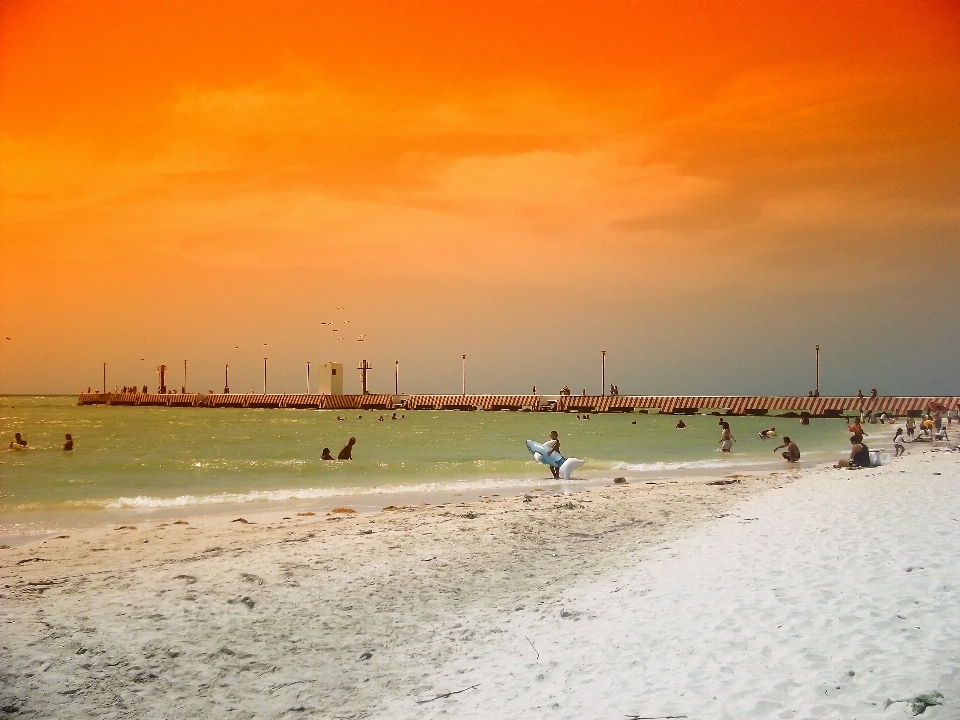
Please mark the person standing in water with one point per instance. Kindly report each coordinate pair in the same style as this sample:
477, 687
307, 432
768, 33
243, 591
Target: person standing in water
347, 452
726, 438
18, 442
68, 445
325, 455
553, 446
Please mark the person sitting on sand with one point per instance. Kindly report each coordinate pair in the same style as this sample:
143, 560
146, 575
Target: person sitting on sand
859, 454
347, 452
18, 442
899, 449
793, 452
325, 455
553, 446
767, 434
726, 438
681, 425
68, 445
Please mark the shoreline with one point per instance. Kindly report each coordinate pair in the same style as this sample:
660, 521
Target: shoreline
23, 526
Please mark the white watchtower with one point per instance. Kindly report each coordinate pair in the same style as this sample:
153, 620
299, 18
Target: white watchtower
331, 379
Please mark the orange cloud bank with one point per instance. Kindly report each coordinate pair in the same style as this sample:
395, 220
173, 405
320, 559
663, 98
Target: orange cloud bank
703, 189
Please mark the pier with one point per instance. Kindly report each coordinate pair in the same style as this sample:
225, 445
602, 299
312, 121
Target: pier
727, 405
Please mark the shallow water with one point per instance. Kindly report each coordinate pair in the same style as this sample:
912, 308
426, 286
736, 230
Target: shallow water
128, 457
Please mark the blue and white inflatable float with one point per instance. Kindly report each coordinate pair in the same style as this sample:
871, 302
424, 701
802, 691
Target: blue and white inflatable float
548, 456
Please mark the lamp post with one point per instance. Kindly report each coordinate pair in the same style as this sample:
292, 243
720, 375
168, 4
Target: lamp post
396, 378
463, 376
104, 378
226, 379
184, 375
308, 377
264, 376
817, 391
603, 372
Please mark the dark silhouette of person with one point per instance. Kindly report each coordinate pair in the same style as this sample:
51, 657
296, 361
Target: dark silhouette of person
681, 425
68, 445
18, 441
347, 452
325, 455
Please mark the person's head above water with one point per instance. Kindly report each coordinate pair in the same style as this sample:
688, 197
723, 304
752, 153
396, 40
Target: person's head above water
553, 434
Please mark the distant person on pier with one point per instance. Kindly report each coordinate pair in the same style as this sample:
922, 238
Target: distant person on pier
68, 445
347, 452
18, 442
792, 453
325, 455
144, 389
873, 393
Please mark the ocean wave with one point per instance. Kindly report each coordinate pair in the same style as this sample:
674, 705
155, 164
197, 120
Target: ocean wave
146, 502
661, 466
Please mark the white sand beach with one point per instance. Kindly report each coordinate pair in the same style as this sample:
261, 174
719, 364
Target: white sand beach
796, 594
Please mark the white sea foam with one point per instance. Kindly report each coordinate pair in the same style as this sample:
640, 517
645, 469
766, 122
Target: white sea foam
732, 463
145, 502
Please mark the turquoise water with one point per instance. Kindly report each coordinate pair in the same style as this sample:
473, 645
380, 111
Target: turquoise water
128, 457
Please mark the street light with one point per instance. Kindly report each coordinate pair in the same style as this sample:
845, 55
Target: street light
817, 391
264, 376
463, 376
603, 372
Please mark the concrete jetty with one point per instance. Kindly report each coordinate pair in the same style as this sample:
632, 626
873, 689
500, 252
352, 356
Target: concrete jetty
822, 407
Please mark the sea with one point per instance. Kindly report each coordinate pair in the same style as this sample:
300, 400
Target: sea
129, 462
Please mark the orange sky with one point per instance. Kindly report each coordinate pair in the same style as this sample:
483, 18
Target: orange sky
703, 189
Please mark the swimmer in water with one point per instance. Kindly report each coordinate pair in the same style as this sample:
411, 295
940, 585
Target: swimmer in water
347, 452
18, 443
68, 445
767, 434
325, 455
681, 425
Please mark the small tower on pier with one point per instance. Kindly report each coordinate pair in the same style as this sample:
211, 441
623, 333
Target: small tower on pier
331, 379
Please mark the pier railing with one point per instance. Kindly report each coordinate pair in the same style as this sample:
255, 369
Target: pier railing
672, 404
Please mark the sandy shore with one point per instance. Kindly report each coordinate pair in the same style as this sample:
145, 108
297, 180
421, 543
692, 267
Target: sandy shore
802, 593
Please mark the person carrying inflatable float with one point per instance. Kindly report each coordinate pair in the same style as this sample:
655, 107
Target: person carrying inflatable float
548, 454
